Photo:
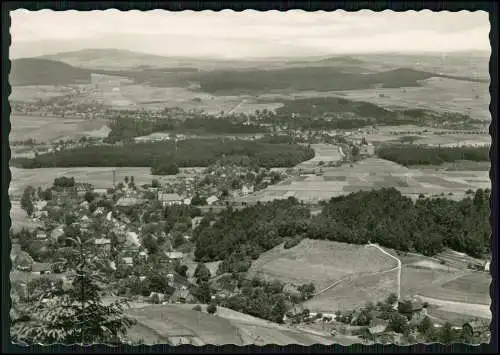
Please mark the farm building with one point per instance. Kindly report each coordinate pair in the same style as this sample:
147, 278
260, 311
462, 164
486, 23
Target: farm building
195, 222
103, 243
41, 235
57, 233
377, 327
128, 261
174, 255
476, 327
129, 202
40, 268
212, 199
247, 189
170, 199
413, 308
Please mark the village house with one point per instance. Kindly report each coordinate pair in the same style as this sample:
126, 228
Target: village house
57, 233
212, 199
181, 295
195, 222
82, 188
101, 191
99, 211
174, 255
41, 235
128, 261
413, 308
129, 202
103, 244
247, 189
40, 268
143, 255
377, 327
187, 201
170, 199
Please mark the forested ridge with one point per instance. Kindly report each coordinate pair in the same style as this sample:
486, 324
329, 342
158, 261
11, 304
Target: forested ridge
187, 153
382, 216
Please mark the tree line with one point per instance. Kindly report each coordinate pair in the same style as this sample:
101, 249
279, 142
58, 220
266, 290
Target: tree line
424, 155
124, 128
188, 153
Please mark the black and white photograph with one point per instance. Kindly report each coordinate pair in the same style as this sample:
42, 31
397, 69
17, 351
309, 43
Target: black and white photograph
249, 178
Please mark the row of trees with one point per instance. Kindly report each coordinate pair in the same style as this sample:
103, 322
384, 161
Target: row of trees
124, 128
188, 153
424, 155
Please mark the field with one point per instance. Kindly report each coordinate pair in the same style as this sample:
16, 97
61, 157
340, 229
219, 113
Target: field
36, 92
355, 291
318, 261
438, 94
180, 324
375, 173
46, 129
99, 177
322, 152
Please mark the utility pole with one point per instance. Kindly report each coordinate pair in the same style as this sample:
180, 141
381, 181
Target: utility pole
114, 178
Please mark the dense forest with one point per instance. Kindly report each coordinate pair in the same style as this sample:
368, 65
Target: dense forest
125, 128
340, 113
187, 153
424, 155
36, 71
382, 216
325, 78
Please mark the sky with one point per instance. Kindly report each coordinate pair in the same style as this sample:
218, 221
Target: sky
248, 34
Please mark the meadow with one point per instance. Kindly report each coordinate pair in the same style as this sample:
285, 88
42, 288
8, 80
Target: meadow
320, 262
48, 129
180, 324
375, 173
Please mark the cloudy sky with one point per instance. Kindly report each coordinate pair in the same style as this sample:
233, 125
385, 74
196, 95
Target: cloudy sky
229, 34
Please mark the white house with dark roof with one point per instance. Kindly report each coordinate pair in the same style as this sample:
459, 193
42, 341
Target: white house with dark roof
170, 199
212, 199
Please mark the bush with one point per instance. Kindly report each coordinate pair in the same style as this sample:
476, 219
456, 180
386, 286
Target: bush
291, 242
197, 308
212, 308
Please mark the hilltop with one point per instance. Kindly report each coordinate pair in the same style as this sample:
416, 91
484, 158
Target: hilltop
38, 71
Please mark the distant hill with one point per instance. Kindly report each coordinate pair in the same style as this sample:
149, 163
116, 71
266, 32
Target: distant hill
116, 59
37, 71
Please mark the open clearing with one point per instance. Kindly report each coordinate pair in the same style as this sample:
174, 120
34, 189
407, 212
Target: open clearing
179, 323
318, 261
354, 292
373, 173
325, 153
47, 129
100, 177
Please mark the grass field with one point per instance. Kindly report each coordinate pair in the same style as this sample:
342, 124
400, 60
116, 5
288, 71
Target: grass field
180, 323
354, 292
98, 176
318, 261
47, 129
